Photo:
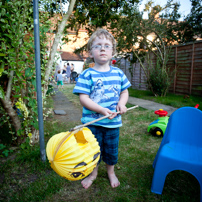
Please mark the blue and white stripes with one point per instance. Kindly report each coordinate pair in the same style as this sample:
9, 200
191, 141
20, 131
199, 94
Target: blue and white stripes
104, 88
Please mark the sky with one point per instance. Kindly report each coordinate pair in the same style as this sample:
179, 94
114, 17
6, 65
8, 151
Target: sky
185, 6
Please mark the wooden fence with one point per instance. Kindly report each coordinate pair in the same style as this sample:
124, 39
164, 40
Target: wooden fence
186, 63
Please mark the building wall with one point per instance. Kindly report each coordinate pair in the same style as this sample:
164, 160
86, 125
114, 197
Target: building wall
78, 65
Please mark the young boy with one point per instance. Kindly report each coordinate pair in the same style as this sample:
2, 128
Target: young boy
102, 91
59, 79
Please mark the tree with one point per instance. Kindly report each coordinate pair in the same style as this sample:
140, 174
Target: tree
134, 40
190, 28
16, 63
57, 38
194, 20
17, 72
97, 13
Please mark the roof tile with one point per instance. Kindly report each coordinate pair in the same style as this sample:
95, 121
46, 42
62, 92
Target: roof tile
71, 56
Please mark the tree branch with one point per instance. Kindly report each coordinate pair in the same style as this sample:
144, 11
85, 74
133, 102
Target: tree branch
61, 7
9, 87
56, 42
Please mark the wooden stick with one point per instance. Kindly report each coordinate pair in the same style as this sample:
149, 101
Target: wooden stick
81, 126
101, 118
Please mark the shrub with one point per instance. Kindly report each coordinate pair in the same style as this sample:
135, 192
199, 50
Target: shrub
159, 80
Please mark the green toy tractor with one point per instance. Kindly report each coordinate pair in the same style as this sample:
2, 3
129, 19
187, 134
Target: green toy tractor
158, 127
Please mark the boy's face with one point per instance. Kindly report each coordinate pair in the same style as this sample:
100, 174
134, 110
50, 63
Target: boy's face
101, 50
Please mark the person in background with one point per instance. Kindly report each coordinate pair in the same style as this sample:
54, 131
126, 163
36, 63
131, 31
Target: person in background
56, 71
72, 69
64, 69
68, 72
59, 79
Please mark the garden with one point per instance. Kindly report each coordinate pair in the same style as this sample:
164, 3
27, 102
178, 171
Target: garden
23, 175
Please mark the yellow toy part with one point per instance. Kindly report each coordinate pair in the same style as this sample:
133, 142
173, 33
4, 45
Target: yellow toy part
73, 155
158, 133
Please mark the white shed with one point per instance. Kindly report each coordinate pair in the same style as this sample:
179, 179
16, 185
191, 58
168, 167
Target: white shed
72, 58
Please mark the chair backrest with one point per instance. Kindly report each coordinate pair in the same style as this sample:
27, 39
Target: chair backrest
185, 126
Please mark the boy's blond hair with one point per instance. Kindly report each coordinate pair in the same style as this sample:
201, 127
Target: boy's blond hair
102, 33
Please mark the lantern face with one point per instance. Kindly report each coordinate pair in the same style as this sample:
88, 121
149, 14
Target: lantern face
73, 155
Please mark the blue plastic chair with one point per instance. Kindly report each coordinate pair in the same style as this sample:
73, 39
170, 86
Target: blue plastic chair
181, 148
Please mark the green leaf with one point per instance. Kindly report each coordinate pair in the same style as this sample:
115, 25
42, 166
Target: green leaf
19, 74
2, 146
35, 124
5, 152
1, 92
19, 132
16, 96
1, 69
32, 103
28, 72
34, 83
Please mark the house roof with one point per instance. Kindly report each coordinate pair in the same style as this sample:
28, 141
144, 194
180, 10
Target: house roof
68, 56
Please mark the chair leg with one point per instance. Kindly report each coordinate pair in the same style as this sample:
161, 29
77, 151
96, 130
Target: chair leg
158, 181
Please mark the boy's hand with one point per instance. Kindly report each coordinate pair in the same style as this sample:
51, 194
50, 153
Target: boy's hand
88, 103
121, 108
106, 111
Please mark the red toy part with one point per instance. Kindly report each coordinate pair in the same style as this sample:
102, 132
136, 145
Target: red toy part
196, 106
113, 62
161, 112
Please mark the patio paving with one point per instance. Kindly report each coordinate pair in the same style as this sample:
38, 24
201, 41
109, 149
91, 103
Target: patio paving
151, 105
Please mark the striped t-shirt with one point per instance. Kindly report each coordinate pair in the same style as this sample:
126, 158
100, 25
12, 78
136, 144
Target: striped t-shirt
103, 88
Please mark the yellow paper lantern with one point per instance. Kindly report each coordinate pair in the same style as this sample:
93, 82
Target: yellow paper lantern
73, 155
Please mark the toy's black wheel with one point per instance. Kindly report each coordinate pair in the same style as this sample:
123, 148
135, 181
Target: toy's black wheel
157, 132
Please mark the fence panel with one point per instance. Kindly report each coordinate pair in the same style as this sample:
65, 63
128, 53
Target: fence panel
185, 63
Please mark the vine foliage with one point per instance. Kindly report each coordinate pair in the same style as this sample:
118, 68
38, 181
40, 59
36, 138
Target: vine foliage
17, 72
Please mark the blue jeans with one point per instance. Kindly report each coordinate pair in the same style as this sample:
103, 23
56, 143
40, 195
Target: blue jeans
108, 139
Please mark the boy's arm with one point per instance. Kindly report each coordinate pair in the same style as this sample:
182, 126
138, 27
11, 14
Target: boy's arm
89, 104
121, 106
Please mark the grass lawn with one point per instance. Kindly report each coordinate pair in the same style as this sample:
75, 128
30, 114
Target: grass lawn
170, 99
23, 177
